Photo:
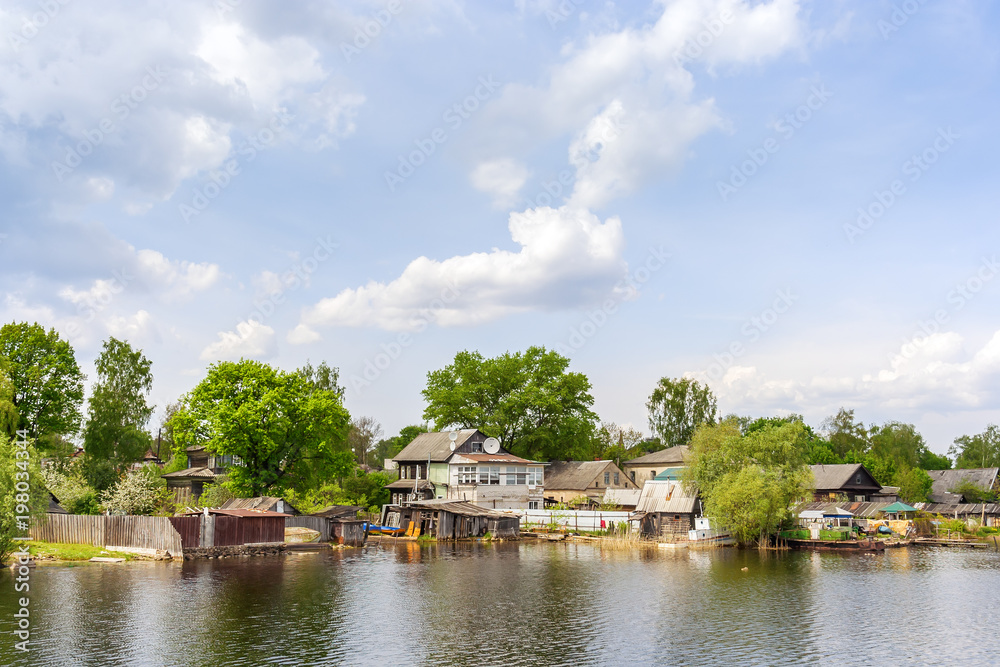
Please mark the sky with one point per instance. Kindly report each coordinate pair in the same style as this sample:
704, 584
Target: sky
794, 202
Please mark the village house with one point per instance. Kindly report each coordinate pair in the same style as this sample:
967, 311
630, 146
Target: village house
450, 520
666, 510
946, 482
844, 479
646, 467
202, 468
471, 467
566, 481
260, 503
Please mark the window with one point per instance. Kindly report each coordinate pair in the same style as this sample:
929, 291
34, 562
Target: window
489, 474
477, 448
617, 481
652, 474
607, 478
532, 504
857, 480
516, 475
535, 476
466, 474
633, 475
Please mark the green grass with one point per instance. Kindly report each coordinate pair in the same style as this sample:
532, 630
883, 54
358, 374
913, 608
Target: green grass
53, 551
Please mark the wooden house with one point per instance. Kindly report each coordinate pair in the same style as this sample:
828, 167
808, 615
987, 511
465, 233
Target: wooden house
566, 481
450, 520
844, 479
202, 468
262, 503
647, 467
945, 483
666, 510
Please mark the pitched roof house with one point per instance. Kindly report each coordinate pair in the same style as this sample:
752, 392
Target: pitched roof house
646, 467
666, 510
946, 481
568, 480
850, 479
203, 467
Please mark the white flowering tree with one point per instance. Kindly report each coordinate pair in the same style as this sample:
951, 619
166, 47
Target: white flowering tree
137, 492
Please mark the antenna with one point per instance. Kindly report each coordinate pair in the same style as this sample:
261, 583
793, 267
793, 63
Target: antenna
491, 446
453, 436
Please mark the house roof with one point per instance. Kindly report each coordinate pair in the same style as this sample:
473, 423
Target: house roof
675, 455
573, 475
339, 512
191, 473
194, 448
494, 458
943, 481
898, 507
461, 507
672, 474
238, 512
624, 497
422, 484
840, 475
433, 446
54, 506
264, 503
661, 496
950, 509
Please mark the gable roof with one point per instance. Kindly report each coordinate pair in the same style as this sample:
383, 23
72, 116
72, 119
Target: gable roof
841, 475
661, 496
573, 475
623, 497
265, 503
191, 473
433, 446
675, 455
943, 481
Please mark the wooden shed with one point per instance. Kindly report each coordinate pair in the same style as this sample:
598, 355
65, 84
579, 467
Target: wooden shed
224, 528
665, 510
451, 520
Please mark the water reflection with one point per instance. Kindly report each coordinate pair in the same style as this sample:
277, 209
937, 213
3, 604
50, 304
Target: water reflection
515, 604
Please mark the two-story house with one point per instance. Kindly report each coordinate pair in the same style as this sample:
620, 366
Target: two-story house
469, 467
202, 468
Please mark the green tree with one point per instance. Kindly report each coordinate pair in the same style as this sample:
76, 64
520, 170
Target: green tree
973, 493
22, 491
914, 485
899, 442
323, 377
115, 435
977, 451
48, 384
139, 492
616, 443
931, 461
678, 406
389, 447
845, 434
529, 401
363, 437
8, 411
285, 431
749, 482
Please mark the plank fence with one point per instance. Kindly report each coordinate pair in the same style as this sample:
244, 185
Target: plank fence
124, 533
317, 523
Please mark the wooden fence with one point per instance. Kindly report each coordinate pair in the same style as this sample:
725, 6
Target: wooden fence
140, 533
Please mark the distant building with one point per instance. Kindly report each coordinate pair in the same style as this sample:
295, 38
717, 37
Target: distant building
666, 510
647, 467
566, 481
627, 499
430, 469
261, 503
203, 467
848, 479
946, 481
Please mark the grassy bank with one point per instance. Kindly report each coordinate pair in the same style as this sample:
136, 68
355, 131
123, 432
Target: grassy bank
54, 551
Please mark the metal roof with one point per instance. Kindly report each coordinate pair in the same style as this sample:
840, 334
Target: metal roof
672, 474
422, 484
946, 480
198, 472
665, 496
675, 455
461, 507
959, 508
243, 513
839, 475
433, 446
265, 503
623, 497
574, 475
339, 512
494, 458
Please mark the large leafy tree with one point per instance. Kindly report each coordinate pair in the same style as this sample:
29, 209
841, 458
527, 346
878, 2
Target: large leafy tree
8, 411
285, 430
115, 435
529, 401
846, 435
749, 482
389, 447
22, 491
48, 384
363, 437
678, 406
616, 442
977, 451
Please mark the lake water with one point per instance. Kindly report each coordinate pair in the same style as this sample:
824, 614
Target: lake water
517, 604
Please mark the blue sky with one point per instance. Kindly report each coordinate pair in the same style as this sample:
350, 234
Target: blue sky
792, 201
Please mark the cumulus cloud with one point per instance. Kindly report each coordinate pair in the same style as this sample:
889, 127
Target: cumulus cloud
302, 335
251, 339
567, 258
502, 179
138, 327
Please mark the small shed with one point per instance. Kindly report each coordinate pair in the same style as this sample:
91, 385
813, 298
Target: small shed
241, 526
665, 510
451, 520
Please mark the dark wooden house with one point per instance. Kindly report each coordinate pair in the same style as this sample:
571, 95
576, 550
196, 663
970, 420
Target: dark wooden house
203, 467
844, 479
665, 510
451, 520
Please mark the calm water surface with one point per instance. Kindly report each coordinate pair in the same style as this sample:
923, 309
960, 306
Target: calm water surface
517, 604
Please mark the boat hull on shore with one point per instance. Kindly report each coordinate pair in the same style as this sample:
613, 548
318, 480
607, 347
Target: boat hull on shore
868, 546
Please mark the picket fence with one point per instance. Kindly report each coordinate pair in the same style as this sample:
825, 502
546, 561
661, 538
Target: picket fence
124, 533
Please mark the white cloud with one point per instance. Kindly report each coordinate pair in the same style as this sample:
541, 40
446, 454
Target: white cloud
302, 335
251, 339
176, 279
568, 258
502, 179
135, 328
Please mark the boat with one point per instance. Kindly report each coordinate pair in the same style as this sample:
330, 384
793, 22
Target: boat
868, 545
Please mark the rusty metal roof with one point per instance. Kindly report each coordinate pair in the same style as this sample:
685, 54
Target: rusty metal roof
257, 514
495, 458
265, 503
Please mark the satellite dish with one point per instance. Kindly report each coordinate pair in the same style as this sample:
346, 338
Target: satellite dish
453, 436
452, 445
491, 446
